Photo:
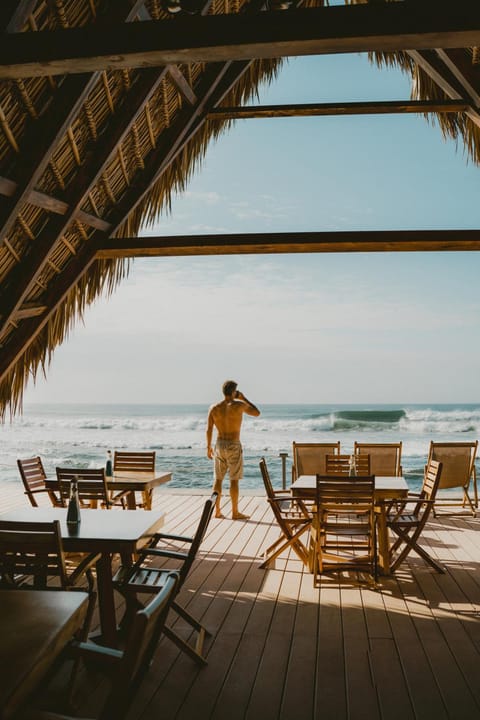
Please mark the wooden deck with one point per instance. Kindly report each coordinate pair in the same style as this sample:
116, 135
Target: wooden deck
282, 649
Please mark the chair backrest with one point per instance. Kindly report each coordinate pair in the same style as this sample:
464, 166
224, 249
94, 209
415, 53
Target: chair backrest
92, 485
134, 461
346, 528
458, 462
432, 479
266, 478
143, 638
353, 492
310, 458
33, 477
340, 465
31, 550
197, 539
385, 458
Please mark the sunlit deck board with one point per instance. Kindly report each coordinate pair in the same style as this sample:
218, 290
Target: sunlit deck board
282, 649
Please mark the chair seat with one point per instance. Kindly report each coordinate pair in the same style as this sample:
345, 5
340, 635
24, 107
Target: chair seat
144, 579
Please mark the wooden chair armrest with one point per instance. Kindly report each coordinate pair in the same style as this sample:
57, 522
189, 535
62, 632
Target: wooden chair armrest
87, 563
159, 552
164, 536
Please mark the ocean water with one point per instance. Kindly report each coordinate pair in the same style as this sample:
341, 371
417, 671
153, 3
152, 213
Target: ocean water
80, 435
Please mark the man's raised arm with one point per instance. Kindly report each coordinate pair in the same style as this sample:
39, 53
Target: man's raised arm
250, 408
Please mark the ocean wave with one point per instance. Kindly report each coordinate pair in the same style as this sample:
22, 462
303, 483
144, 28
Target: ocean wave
411, 421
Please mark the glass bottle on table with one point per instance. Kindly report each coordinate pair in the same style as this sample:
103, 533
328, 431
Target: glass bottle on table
109, 465
73, 510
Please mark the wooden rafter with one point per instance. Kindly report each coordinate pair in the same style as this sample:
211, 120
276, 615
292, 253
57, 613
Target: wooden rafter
23, 277
19, 15
450, 82
324, 109
182, 85
57, 291
52, 204
303, 242
44, 135
220, 38
217, 82
460, 65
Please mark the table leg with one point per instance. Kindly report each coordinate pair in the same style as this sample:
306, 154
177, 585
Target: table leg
147, 499
131, 502
106, 601
382, 540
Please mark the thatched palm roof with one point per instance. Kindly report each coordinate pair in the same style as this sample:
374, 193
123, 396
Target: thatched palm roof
92, 155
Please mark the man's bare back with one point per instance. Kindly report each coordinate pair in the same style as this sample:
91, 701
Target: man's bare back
226, 417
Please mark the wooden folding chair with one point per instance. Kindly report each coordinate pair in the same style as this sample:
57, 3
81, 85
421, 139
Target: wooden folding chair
458, 471
136, 461
33, 477
92, 486
32, 558
340, 465
292, 518
143, 577
344, 526
408, 525
310, 458
385, 458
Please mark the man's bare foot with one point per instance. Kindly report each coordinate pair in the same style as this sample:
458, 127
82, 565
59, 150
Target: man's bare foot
240, 516
220, 515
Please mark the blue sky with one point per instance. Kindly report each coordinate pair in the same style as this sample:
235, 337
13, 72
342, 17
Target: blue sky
298, 328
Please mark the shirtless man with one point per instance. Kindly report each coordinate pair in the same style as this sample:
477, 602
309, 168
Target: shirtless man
226, 416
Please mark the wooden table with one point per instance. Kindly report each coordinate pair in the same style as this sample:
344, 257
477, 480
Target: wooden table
143, 482
35, 626
132, 482
386, 488
100, 531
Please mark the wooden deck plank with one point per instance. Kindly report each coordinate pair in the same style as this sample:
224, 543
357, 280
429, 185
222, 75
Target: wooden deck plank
298, 698
331, 693
455, 691
267, 692
421, 683
362, 699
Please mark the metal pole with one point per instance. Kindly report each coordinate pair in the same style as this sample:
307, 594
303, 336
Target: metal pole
284, 456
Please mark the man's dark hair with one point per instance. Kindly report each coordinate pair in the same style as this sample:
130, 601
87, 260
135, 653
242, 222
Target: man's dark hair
229, 387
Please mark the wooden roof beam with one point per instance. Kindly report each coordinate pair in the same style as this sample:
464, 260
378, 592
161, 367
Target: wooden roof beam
52, 204
325, 109
467, 74
303, 242
220, 38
